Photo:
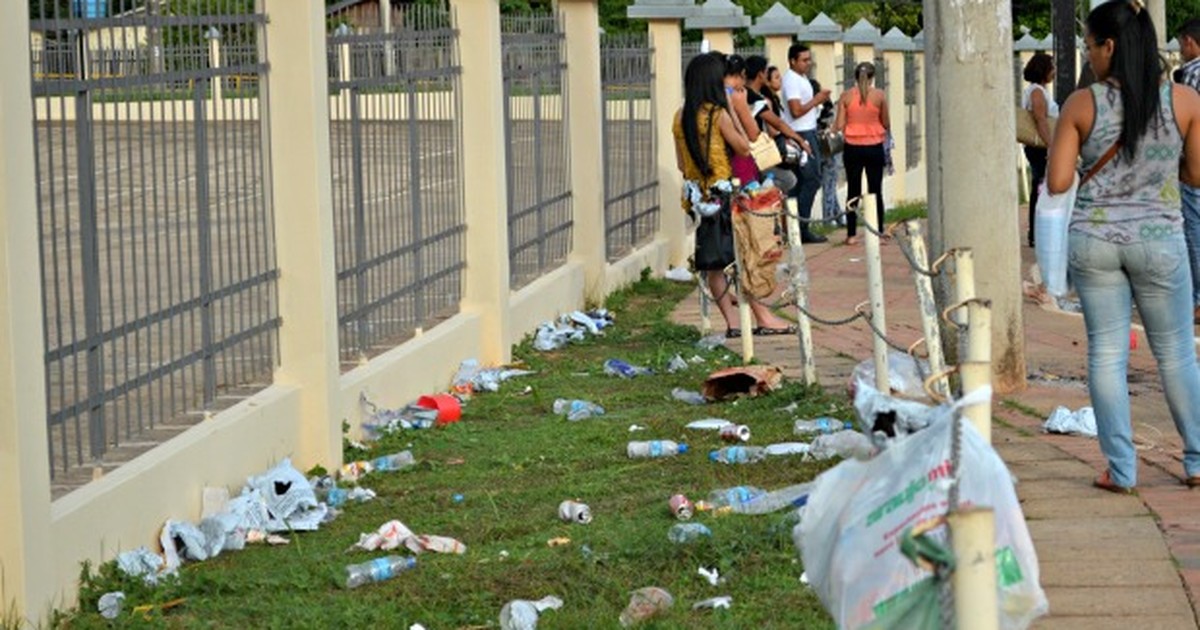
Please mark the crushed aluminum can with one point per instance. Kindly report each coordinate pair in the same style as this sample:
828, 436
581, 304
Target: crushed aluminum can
735, 433
574, 512
681, 507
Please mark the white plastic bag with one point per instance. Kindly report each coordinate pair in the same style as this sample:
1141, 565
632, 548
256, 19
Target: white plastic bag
1052, 216
849, 535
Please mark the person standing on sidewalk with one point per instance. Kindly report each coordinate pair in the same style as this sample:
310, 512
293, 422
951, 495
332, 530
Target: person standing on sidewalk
1189, 75
1036, 99
863, 119
768, 116
801, 107
1126, 240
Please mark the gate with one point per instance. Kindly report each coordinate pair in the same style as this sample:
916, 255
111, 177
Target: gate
395, 139
630, 170
158, 264
539, 172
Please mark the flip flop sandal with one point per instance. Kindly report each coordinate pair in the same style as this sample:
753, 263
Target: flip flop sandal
733, 333
763, 331
1193, 482
1105, 482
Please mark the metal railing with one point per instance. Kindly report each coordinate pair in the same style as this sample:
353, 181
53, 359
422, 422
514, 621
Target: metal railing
539, 177
158, 264
912, 110
630, 170
688, 52
395, 138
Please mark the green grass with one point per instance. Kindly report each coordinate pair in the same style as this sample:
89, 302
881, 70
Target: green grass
903, 212
519, 462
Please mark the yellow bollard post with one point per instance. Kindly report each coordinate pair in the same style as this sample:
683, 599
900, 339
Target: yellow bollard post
973, 536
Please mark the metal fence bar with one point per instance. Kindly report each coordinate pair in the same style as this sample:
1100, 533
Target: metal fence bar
630, 174
151, 198
538, 173
912, 110
395, 141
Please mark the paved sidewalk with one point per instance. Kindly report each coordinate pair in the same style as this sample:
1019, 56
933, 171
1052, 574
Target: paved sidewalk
1107, 561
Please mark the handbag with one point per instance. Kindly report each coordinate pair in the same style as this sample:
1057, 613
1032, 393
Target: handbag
1027, 133
714, 240
1052, 218
765, 152
832, 143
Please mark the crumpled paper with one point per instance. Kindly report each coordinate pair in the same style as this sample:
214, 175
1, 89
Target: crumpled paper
393, 534
142, 562
522, 614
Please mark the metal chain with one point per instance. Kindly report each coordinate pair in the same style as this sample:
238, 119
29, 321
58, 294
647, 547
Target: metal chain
831, 322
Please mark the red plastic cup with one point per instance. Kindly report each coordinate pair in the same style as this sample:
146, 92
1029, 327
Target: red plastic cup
447, 407
1133, 340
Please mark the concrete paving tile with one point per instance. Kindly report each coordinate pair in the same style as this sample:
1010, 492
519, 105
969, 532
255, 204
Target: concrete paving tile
1111, 572
1145, 549
1157, 622
1110, 528
1028, 450
1082, 507
1118, 601
1054, 469
1034, 489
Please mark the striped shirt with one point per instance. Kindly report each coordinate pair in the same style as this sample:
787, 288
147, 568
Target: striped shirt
1189, 74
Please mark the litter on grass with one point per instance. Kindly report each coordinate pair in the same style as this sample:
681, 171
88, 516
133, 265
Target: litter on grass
471, 377
749, 380
522, 614
1063, 420
712, 576
688, 396
617, 367
709, 424
678, 274
644, 604
570, 328
110, 604
393, 534
722, 601
677, 364
143, 563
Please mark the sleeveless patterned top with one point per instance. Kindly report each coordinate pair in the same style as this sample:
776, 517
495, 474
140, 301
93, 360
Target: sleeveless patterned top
1130, 201
718, 155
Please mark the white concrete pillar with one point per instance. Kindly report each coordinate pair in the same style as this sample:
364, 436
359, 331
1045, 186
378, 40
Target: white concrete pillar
298, 138
776, 50
385, 22
486, 290
25, 545
668, 98
581, 20
970, 70
897, 112
719, 39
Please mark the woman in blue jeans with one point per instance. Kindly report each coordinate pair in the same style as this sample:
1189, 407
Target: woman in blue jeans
1126, 238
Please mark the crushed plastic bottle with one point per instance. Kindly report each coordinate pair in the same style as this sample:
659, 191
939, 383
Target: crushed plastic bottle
787, 448
577, 409
738, 454
846, 444
682, 533
711, 342
655, 448
645, 603
377, 570
522, 614
395, 461
735, 499
617, 367
688, 396
790, 497
820, 425
677, 364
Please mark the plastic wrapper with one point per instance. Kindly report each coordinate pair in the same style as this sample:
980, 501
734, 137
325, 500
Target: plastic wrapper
142, 562
522, 614
849, 534
1063, 420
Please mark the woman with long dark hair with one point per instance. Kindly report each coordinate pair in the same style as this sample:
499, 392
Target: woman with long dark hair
863, 120
705, 136
1039, 71
1126, 242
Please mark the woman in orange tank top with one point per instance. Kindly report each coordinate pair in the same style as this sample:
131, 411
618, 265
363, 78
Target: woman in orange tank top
863, 120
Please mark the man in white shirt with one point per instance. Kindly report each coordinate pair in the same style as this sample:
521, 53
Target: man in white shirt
801, 110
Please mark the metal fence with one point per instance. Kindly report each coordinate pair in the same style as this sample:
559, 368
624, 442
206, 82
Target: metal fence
535, 114
630, 169
912, 110
395, 138
158, 264
688, 52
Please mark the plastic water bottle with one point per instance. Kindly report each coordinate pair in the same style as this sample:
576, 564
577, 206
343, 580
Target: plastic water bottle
617, 367
688, 396
681, 533
790, 497
377, 570
820, 425
577, 409
395, 461
655, 448
735, 499
738, 454
846, 444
